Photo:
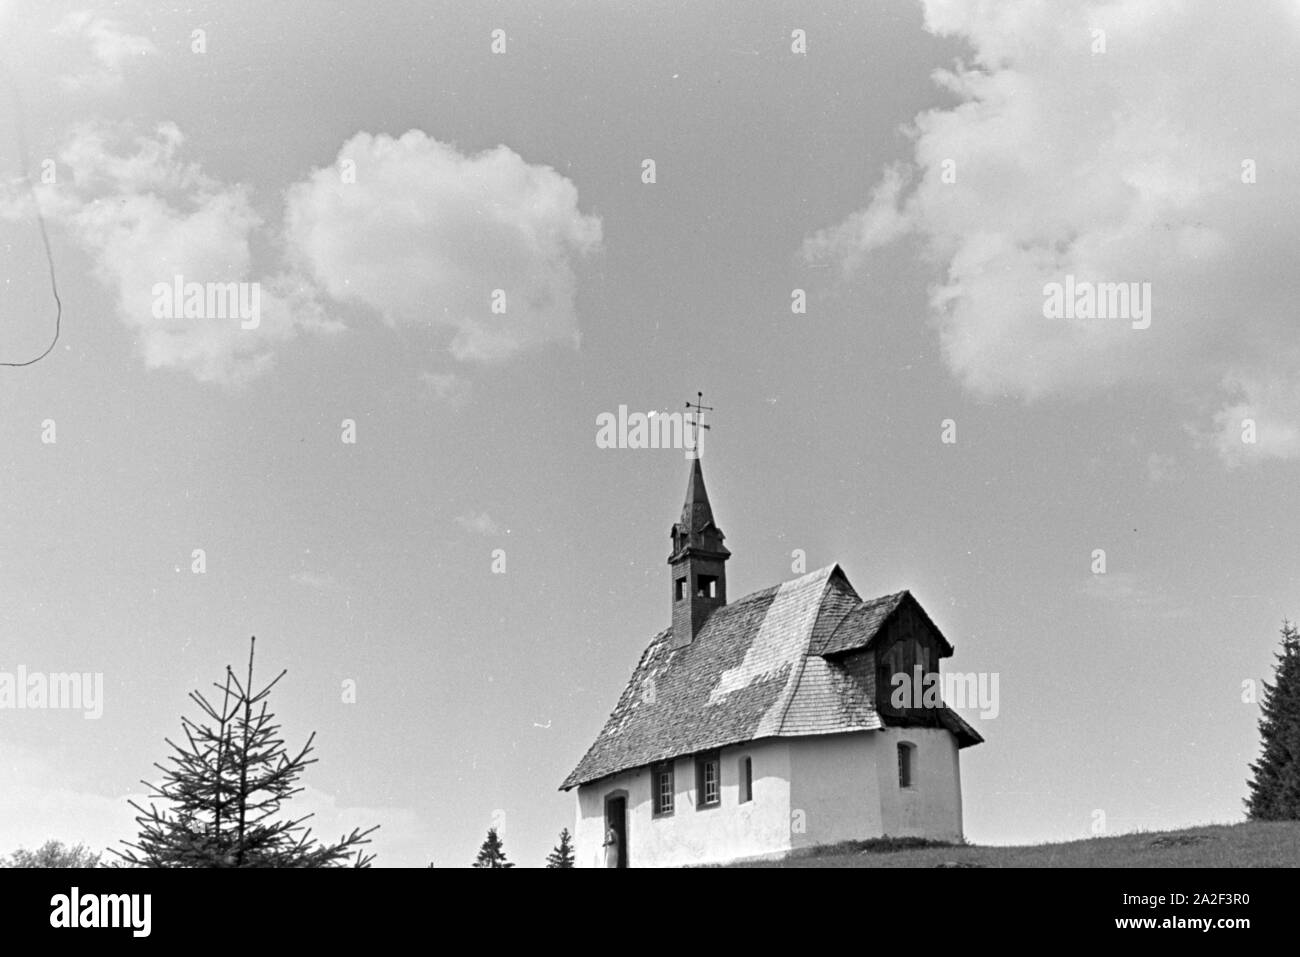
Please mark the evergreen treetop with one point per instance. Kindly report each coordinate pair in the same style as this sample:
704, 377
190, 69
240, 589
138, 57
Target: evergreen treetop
224, 789
492, 853
1275, 787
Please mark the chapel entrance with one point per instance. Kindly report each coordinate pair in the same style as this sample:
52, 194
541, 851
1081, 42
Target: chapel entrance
616, 821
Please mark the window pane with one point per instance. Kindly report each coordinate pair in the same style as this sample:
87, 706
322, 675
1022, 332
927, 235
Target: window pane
663, 791
708, 780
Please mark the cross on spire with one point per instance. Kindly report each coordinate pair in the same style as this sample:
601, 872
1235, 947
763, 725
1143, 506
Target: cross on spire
699, 557
697, 410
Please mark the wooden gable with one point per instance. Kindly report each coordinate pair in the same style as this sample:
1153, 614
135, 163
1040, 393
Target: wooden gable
906, 639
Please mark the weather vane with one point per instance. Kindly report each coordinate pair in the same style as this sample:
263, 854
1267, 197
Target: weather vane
697, 410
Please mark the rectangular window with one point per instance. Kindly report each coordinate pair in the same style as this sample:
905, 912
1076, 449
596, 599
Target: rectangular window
707, 586
708, 780
680, 591
746, 780
661, 780
905, 753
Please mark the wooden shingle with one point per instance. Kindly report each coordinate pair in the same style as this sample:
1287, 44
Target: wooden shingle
780, 662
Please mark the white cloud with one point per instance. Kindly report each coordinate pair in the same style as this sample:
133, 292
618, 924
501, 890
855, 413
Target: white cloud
147, 217
108, 48
881, 222
426, 234
1122, 166
1261, 421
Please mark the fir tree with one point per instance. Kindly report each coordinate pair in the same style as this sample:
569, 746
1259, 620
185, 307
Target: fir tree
562, 855
226, 786
492, 854
1275, 789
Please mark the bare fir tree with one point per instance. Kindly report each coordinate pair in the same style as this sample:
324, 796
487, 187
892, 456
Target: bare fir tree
225, 789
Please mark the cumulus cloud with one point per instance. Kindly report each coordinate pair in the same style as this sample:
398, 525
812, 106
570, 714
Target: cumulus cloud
105, 50
424, 235
1127, 165
146, 217
1262, 418
881, 222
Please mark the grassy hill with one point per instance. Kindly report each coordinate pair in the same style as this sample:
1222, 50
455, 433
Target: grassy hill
1252, 844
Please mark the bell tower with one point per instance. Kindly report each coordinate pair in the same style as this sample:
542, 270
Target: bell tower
698, 562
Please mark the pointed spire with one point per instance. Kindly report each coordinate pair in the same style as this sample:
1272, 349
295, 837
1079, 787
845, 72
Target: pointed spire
698, 559
697, 530
697, 513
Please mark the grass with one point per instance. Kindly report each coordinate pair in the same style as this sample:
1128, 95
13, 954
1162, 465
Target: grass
1252, 844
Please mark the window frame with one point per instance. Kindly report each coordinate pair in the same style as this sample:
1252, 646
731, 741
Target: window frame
906, 761
658, 771
746, 776
702, 761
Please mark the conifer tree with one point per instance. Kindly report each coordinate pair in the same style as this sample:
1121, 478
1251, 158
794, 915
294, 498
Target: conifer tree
1275, 789
224, 791
562, 855
492, 853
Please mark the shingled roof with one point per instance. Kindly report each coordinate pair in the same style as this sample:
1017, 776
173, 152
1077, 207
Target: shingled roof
764, 666
861, 625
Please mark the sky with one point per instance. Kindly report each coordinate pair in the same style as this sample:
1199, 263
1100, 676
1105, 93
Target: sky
461, 591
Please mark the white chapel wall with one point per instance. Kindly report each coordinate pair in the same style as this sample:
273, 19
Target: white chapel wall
728, 832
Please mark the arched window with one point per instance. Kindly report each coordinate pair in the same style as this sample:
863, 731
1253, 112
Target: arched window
906, 765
